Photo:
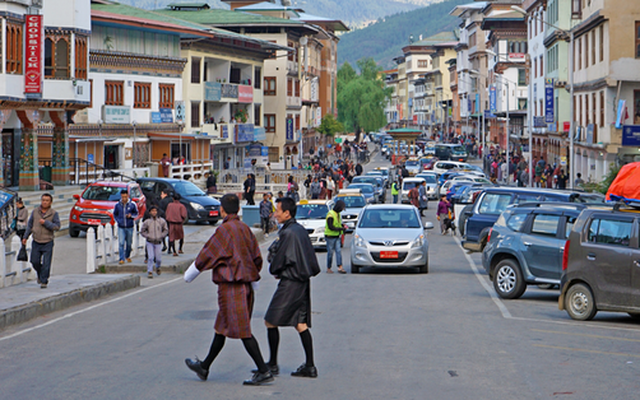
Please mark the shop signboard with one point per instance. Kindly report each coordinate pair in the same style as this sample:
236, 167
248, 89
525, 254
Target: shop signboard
116, 114
245, 94
33, 66
212, 91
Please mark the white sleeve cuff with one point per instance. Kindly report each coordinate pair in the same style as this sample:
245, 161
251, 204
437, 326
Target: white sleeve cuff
191, 273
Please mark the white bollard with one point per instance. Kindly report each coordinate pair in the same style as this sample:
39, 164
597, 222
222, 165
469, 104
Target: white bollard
108, 239
115, 246
135, 241
91, 251
101, 252
18, 266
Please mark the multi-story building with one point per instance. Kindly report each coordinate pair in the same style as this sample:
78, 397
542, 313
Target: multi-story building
43, 81
417, 61
391, 109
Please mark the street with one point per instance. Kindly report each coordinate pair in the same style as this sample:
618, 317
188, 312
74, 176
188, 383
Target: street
380, 334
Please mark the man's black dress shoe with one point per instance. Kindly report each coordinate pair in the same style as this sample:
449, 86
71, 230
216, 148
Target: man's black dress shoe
259, 379
306, 371
196, 366
274, 369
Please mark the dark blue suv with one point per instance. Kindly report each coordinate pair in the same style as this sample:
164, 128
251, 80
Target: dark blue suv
493, 201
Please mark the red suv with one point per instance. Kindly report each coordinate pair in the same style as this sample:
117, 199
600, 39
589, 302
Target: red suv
95, 205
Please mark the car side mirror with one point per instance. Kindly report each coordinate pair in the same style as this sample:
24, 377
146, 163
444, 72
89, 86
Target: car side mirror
428, 225
76, 197
468, 213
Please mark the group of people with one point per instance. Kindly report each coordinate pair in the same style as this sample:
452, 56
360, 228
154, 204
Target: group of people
545, 175
234, 258
166, 163
347, 151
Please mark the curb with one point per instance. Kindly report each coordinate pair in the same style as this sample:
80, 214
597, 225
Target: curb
29, 311
137, 268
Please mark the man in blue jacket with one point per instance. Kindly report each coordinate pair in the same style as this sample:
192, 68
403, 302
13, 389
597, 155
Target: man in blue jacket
125, 213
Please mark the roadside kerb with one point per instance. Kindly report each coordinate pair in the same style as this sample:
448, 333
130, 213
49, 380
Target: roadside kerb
42, 306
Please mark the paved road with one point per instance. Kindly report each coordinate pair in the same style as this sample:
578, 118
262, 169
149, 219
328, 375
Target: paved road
377, 335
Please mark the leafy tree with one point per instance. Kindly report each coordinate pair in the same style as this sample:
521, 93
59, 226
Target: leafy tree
361, 99
329, 126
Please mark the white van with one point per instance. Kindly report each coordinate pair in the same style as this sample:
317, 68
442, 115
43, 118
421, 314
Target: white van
441, 167
408, 184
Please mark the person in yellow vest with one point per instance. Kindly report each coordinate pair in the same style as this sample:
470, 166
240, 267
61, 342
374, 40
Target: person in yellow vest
395, 191
332, 231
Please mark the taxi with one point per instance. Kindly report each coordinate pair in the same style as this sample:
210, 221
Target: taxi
355, 202
312, 215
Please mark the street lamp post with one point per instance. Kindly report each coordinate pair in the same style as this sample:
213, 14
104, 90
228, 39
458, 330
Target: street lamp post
571, 36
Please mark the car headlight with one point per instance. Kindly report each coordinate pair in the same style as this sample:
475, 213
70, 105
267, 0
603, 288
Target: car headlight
418, 242
359, 241
318, 230
196, 206
77, 208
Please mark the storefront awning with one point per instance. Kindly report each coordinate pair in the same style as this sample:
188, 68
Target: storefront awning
178, 136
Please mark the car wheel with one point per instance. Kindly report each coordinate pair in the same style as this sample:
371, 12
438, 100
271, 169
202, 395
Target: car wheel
213, 222
74, 233
355, 269
579, 303
507, 279
425, 268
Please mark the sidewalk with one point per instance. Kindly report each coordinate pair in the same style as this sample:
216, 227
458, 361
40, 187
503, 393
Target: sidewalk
69, 284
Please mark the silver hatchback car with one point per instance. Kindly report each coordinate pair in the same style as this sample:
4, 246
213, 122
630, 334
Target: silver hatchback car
390, 236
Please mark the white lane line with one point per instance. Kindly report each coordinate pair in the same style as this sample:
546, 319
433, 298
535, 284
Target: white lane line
53, 321
503, 309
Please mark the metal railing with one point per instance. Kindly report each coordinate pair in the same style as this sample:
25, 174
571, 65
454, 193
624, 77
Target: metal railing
83, 172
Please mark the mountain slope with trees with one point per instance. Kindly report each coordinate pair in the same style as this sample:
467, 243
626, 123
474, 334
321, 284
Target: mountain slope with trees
385, 39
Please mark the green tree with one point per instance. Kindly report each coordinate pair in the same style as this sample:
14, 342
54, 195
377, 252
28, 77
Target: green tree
329, 126
362, 98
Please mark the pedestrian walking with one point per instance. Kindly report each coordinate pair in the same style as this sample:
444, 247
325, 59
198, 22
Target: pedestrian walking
154, 229
176, 216
212, 183
249, 189
444, 215
22, 218
315, 189
292, 189
292, 262
331, 186
423, 200
165, 163
266, 211
124, 213
333, 231
395, 191
233, 256
414, 196
562, 180
43, 223
165, 199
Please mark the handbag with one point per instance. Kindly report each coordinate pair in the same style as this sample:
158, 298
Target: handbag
22, 254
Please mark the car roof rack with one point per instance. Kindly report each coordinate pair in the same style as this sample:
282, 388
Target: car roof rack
559, 204
632, 206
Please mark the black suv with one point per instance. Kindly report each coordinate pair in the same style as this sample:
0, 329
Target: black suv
525, 246
493, 201
601, 264
200, 206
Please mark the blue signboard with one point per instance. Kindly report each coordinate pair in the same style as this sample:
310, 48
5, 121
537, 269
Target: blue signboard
225, 131
259, 134
155, 117
477, 103
264, 151
538, 122
244, 133
289, 129
622, 111
212, 91
255, 150
469, 110
166, 115
590, 130
631, 135
549, 107
493, 101
91, 158
488, 114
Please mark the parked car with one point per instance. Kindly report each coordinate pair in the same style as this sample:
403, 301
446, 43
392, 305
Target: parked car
407, 185
413, 166
427, 163
525, 246
454, 152
354, 202
601, 264
94, 207
440, 167
378, 184
367, 190
390, 236
378, 174
493, 201
200, 206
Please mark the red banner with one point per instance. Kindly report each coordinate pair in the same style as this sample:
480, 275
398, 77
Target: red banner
245, 94
33, 54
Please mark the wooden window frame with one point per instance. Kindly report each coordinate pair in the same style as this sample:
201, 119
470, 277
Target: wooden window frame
297, 122
55, 68
195, 116
296, 87
167, 92
195, 74
14, 37
602, 109
268, 91
142, 95
81, 57
602, 42
289, 87
114, 93
268, 127
256, 115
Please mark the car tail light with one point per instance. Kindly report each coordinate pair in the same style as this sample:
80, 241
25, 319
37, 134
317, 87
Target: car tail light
565, 255
489, 236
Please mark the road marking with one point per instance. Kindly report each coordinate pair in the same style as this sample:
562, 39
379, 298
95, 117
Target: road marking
53, 321
587, 335
503, 309
608, 353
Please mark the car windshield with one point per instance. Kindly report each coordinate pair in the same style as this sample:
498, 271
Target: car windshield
458, 150
428, 178
312, 211
389, 218
365, 179
353, 201
411, 163
102, 193
363, 188
187, 189
409, 185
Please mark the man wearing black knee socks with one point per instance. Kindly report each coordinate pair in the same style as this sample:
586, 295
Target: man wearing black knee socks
293, 262
233, 256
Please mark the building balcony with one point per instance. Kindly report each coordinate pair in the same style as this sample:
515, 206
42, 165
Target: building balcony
67, 91
292, 67
294, 102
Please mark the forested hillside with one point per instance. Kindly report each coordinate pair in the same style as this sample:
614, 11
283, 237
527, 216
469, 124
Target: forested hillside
384, 40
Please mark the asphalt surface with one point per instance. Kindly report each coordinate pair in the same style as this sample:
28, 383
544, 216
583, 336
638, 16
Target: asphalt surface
380, 334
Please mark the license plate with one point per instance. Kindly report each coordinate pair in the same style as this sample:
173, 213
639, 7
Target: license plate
94, 221
388, 254
213, 213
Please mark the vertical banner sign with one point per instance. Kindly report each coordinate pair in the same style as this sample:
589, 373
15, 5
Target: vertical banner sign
493, 100
289, 136
549, 107
477, 103
34, 66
